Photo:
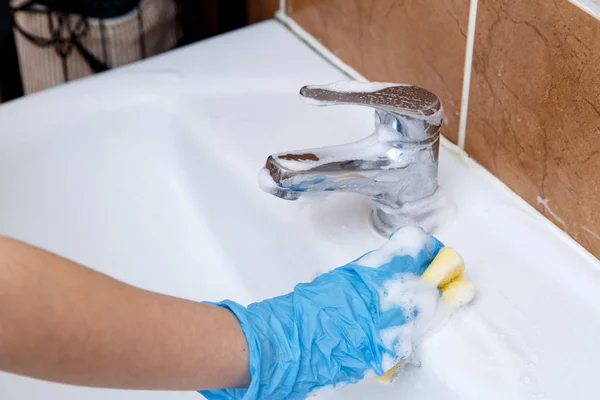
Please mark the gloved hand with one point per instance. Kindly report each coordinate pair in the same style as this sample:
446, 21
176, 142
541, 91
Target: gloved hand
344, 325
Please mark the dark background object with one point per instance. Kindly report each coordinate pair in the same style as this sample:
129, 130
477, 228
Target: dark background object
10, 76
92, 8
199, 19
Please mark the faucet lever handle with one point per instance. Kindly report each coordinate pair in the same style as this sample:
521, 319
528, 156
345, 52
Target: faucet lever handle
396, 105
396, 98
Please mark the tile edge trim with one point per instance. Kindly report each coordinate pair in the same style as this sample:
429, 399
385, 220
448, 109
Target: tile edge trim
464, 106
317, 46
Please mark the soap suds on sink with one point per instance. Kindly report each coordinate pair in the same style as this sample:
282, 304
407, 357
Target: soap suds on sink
429, 213
266, 182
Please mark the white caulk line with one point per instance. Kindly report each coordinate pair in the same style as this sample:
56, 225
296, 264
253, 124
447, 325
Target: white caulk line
544, 203
464, 106
318, 47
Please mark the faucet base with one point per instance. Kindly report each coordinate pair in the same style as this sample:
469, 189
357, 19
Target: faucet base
428, 213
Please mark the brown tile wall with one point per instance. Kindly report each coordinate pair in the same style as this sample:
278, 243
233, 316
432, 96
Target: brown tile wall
421, 42
534, 109
259, 10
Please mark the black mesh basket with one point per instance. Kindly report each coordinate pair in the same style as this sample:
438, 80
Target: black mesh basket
92, 8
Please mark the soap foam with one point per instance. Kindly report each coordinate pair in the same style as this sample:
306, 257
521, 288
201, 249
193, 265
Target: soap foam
408, 241
419, 300
368, 149
399, 339
429, 213
351, 86
425, 311
266, 182
421, 304
409, 292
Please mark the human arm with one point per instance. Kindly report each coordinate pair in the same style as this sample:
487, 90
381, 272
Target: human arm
70, 324
63, 322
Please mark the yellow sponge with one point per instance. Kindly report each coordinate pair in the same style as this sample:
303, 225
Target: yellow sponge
446, 273
445, 267
458, 292
391, 373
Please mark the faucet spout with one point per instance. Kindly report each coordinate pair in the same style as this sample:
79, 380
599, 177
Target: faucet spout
389, 172
396, 166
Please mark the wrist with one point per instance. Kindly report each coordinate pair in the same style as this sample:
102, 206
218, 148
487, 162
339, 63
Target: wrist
247, 387
239, 371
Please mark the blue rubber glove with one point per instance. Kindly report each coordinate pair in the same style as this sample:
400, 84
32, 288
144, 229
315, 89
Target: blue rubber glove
328, 332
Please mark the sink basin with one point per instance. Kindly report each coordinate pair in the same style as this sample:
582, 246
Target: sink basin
148, 173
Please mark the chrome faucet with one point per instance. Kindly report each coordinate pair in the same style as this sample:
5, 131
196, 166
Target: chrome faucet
396, 166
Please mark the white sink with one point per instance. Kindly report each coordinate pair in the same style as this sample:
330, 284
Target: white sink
149, 174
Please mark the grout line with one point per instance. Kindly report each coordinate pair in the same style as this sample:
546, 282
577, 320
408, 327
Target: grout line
455, 150
591, 232
464, 106
282, 6
318, 47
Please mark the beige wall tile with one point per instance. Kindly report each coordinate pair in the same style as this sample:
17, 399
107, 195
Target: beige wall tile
421, 42
534, 115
